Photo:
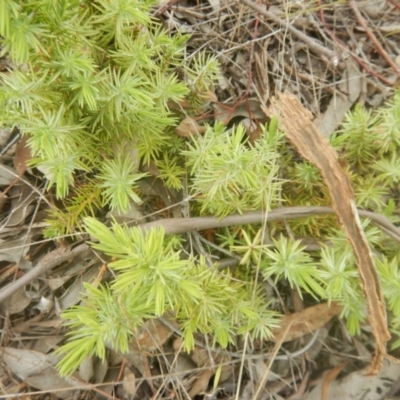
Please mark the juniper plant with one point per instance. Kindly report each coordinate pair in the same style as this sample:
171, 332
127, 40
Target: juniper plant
91, 84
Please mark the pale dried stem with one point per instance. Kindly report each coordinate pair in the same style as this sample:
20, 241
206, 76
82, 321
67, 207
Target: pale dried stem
182, 225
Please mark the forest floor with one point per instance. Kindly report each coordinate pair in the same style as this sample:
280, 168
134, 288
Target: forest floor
331, 56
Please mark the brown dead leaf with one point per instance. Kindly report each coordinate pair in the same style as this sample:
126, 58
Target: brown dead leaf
153, 335
201, 383
7, 175
86, 369
179, 105
18, 302
152, 169
295, 121
5, 133
22, 155
38, 370
249, 109
129, 382
189, 127
253, 129
201, 357
21, 204
306, 321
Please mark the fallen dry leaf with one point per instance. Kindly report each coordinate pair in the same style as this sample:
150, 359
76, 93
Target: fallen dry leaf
86, 369
5, 134
129, 382
201, 383
7, 175
18, 302
153, 335
247, 109
208, 96
295, 121
22, 156
140, 361
201, 357
38, 370
189, 127
306, 321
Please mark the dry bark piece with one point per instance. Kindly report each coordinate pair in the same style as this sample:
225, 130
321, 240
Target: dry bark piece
306, 321
295, 121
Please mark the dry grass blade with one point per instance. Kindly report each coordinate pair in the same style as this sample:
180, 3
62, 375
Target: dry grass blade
271, 361
295, 120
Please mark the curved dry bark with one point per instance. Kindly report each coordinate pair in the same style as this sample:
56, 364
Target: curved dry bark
296, 122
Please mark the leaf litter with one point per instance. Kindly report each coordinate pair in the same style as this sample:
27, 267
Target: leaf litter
263, 50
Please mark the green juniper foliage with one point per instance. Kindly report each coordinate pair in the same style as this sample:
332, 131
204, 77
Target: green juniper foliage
153, 279
230, 175
91, 84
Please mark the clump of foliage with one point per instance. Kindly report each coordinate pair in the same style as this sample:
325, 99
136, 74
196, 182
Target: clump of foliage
153, 278
91, 86
231, 176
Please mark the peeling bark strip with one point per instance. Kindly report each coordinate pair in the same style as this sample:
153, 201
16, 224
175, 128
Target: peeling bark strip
296, 122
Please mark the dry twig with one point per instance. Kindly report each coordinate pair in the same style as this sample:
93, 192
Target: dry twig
182, 225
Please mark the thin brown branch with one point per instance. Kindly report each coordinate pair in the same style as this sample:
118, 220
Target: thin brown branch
182, 225
48, 262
